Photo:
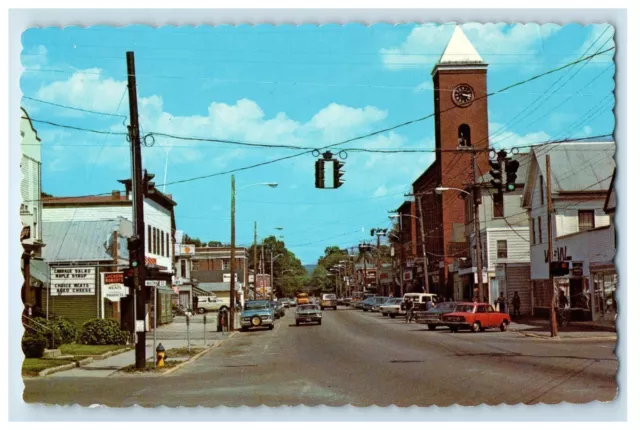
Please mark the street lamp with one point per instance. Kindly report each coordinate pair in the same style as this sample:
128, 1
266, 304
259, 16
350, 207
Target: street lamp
232, 265
439, 190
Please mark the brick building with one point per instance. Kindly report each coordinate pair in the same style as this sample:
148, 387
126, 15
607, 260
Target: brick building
461, 124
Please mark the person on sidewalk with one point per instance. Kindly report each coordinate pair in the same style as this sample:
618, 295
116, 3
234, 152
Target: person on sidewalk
516, 304
501, 302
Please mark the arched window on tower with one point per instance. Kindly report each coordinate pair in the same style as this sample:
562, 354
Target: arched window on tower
464, 135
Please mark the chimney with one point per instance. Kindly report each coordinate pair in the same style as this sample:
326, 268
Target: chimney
115, 195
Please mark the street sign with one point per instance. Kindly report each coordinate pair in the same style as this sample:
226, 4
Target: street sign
155, 283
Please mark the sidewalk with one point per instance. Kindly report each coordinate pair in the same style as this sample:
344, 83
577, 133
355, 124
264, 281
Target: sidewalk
171, 336
586, 330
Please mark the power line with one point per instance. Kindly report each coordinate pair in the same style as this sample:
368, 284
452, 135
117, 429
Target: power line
74, 108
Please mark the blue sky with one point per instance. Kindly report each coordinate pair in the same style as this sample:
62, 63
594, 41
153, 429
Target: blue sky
306, 86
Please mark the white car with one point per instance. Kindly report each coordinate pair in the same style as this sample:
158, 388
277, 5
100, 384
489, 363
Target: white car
210, 304
392, 307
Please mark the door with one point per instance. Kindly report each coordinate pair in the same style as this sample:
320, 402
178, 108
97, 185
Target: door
494, 318
482, 316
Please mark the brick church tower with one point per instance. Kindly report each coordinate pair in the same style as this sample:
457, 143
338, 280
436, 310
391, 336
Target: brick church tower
461, 120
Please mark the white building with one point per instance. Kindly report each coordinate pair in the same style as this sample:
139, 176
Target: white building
159, 218
582, 235
30, 209
504, 236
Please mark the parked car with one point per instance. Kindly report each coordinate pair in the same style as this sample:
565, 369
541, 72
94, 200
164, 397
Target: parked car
284, 302
292, 302
346, 301
329, 301
378, 301
210, 304
433, 317
308, 314
278, 309
420, 300
392, 307
475, 316
257, 313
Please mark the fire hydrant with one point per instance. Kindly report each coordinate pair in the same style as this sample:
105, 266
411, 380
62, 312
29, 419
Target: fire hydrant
160, 356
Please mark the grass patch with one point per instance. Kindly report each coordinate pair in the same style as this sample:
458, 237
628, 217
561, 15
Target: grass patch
182, 352
77, 349
33, 366
150, 367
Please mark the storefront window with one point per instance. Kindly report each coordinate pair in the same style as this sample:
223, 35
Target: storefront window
604, 288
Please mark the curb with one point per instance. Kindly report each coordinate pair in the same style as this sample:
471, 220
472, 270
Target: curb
197, 356
82, 362
570, 339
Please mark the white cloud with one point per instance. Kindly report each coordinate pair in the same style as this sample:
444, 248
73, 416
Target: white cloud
508, 139
380, 191
34, 57
599, 38
425, 44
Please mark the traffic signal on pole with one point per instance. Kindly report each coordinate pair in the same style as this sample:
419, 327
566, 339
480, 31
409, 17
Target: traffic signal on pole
496, 174
128, 277
133, 245
320, 174
337, 174
511, 169
147, 183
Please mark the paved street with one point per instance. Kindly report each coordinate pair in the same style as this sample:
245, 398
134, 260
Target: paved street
361, 359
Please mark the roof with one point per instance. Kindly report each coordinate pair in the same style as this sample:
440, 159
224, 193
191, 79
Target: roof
578, 166
80, 240
459, 50
404, 205
610, 202
115, 200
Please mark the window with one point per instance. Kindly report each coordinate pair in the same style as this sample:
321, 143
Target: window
533, 232
498, 206
502, 249
490, 309
149, 239
540, 230
162, 243
226, 264
155, 240
183, 268
541, 191
464, 135
586, 220
481, 309
168, 245
195, 265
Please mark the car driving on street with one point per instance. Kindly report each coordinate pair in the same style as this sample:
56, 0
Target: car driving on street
308, 314
278, 309
257, 313
475, 316
329, 301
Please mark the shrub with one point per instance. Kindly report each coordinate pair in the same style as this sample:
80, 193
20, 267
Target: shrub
33, 345
67, 329
102, 332
51, 326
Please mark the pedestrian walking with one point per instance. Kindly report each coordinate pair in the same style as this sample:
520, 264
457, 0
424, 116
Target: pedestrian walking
501, 303
516, 304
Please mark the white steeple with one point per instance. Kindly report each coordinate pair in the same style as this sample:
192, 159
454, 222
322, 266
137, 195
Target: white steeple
460, 50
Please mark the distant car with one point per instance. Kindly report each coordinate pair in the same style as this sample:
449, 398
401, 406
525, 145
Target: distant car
210, 304
346, 301
257, 313
284, 301
433, 317
302, 299
308, 314
475, 316
379, 301
278, 309
329, 301
391, 307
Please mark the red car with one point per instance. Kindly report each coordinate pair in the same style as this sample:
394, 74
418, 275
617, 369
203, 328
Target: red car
475, 316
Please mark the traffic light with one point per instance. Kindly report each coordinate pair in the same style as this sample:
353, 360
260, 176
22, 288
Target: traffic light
337, 174
320, 174
496, 174
133, 245
511, 168
559, 268
128, 278
147, 184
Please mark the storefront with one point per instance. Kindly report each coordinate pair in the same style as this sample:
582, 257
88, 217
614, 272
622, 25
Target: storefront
604, 282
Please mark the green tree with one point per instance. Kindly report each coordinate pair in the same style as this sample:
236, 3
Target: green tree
289, 274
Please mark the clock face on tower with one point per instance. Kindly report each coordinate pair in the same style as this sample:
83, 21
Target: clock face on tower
462, 95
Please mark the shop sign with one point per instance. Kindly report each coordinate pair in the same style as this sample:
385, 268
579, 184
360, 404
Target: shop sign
113, 288
226, 277
187, 250
73, 281
500, 271
559, 254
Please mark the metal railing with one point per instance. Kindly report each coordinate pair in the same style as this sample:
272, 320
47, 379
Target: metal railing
27, 326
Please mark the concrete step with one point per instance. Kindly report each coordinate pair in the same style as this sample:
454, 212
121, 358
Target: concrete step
52, 353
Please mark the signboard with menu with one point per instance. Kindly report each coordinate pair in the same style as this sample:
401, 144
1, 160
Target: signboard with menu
113, 288
73, 281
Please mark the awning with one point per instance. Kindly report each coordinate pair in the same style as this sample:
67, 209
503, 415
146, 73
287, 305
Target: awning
39, 270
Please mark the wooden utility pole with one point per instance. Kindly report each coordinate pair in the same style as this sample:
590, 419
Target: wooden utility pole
138, 215
255, 259
476, 220
425, 262
552, 308
232, 262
